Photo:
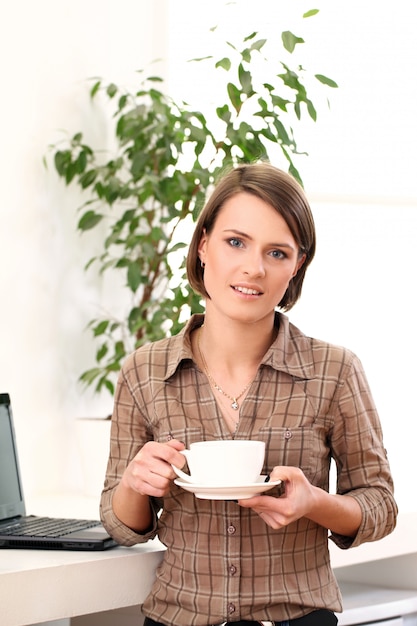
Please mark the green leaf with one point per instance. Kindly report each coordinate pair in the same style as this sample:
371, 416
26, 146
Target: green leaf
112, 90
134, 276
258, 45
294, 171
112, 190
297, 109
100, 328
90, 375
101, 352
120, 352
225, 63
326, 81
234, 95
122, 102
133, 319
81, 162
311, 110
89, 220
245, 79
70, 172
198, 59
62, 159
290, 40
267, 132
280, 102
251, 36
87, 179
223, 113
95, 88
283, 136
177, 246
311, 13
109, 386
246, 55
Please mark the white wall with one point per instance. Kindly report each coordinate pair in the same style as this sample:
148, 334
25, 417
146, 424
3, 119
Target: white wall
49, 49
360, 176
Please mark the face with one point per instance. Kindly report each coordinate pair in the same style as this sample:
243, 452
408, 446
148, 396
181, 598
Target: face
250, 257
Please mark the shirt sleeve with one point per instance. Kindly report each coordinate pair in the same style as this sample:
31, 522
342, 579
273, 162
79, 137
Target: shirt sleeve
128, 434
363, 470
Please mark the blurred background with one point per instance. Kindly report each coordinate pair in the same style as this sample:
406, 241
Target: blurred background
360, 176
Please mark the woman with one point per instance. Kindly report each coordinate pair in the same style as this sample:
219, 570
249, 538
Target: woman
243, 371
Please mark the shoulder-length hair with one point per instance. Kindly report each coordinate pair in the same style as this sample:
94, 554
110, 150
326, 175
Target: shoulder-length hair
281, 191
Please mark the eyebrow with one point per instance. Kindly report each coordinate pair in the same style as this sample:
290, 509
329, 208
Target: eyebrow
242, 234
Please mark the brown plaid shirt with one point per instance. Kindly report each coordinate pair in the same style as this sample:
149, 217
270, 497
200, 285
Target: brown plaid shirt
309, 402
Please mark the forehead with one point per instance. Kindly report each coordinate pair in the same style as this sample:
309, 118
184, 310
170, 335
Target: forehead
248, 213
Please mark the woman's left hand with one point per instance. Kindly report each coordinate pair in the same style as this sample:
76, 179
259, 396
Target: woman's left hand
298, 499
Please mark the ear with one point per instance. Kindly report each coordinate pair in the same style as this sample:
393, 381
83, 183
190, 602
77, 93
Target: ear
202, 247
300, 263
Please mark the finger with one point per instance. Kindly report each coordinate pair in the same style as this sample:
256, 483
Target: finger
286, 473
153, 480
160, 456
271, 521
171, 453
257, 502
176, 444
154, 490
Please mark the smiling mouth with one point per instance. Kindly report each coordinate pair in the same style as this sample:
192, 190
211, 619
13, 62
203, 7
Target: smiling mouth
246, 291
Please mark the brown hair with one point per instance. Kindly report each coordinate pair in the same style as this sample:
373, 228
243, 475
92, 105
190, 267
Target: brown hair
284, 194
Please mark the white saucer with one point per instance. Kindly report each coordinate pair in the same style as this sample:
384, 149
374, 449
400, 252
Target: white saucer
216, 492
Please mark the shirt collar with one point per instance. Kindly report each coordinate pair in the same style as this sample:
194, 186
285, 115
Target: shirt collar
180, 345
291, 351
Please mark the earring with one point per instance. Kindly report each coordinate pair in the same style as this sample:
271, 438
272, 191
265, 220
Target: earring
203, 265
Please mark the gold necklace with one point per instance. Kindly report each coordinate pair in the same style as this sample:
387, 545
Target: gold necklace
234, 399
227, 417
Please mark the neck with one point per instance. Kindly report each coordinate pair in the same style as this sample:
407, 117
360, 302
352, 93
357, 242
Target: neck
230, 357
236, 343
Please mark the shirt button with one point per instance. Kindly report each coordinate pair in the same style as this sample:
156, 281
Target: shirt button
169, 437
231, 529
232, 570
231, 609
288, 434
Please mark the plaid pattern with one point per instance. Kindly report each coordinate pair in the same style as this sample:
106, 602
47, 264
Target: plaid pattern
309, 402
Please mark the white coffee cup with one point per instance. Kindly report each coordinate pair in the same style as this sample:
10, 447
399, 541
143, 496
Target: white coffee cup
224, 462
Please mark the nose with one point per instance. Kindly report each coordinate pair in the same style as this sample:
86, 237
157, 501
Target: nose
254, 264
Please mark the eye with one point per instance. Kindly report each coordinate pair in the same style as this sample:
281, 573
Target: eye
278, 254
235, 242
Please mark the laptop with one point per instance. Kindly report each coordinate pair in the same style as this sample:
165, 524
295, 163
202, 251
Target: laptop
18, 530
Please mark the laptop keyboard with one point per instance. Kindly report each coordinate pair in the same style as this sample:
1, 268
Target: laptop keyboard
46, 527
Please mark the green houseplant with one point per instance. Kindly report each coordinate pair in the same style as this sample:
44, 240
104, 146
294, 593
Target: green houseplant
167, 157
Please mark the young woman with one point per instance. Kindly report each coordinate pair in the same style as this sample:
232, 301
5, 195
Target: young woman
244, 371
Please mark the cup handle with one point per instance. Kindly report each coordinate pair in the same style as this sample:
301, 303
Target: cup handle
186, 477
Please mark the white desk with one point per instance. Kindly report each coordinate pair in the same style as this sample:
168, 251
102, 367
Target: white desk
38, 586
379, 579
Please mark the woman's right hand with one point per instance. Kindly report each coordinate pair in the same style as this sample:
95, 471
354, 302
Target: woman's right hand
150, 472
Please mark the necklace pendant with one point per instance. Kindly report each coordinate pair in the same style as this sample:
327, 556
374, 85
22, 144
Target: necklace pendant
234, 405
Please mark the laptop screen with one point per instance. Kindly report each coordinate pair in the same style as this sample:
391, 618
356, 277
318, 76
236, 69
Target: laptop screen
72, 534
11, 496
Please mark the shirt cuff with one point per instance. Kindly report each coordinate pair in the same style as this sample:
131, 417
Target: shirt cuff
121, 533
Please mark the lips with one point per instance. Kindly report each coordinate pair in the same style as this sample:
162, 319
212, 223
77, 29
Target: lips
247, 290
